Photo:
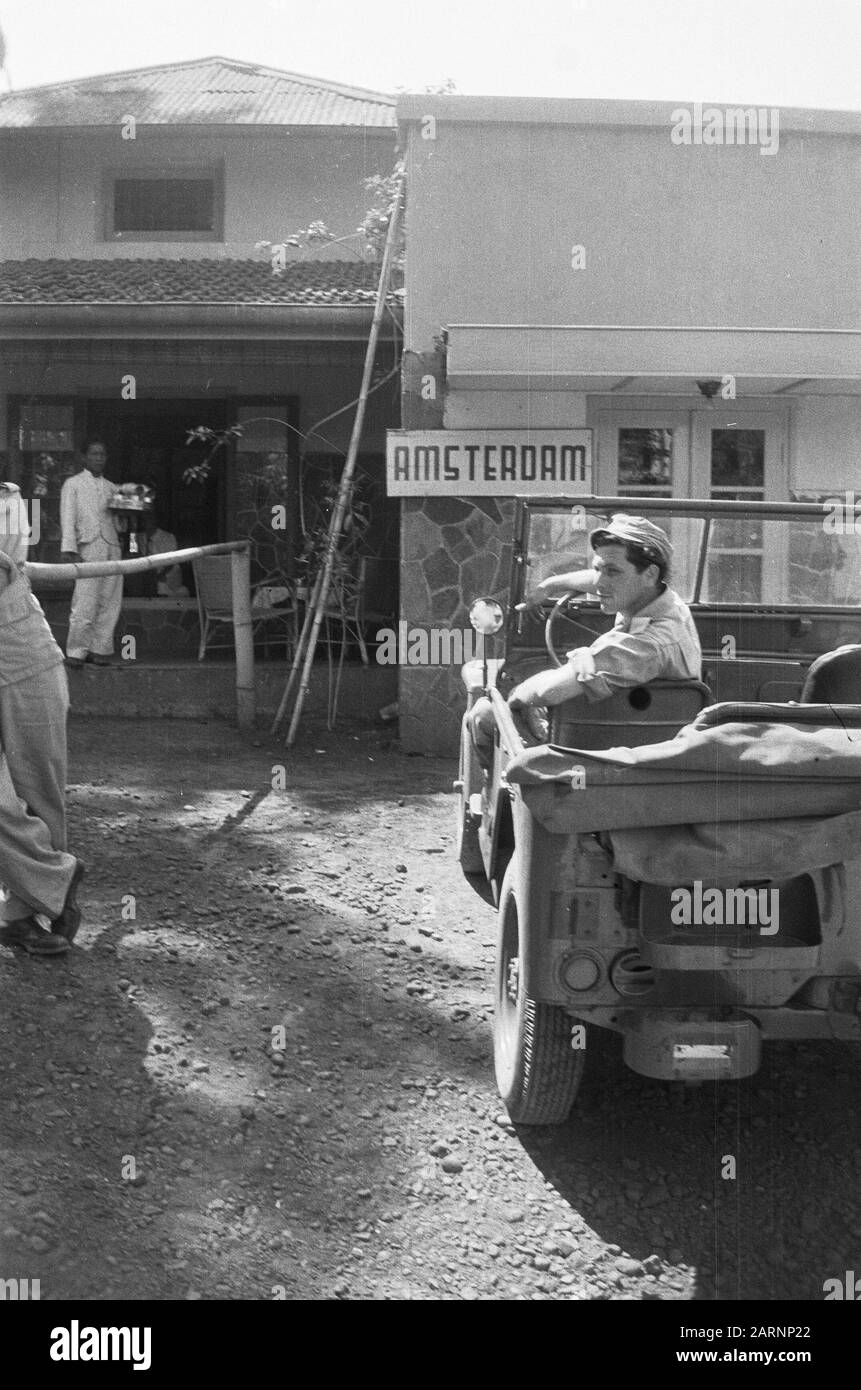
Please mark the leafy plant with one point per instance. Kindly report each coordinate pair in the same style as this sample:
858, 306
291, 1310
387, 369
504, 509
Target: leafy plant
357, 521
371, 232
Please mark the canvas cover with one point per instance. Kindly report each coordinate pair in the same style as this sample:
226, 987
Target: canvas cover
763, 798
728, 854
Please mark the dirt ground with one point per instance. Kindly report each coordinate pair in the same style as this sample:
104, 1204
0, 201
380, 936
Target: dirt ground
264, 1071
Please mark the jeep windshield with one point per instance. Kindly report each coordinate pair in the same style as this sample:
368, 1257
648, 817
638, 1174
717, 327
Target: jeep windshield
748, 555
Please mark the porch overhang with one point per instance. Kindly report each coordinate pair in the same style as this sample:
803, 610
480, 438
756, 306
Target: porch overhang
637, 360
191, 320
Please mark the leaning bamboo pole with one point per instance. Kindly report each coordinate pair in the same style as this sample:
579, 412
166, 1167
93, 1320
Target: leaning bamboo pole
337, 522
299, 653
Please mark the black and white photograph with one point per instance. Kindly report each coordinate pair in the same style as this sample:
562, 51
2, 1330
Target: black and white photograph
430, 666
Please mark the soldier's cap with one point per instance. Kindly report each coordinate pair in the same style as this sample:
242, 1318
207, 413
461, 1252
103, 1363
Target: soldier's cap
635, 530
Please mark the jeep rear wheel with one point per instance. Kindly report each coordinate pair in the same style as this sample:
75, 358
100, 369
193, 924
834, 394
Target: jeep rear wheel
537, 1071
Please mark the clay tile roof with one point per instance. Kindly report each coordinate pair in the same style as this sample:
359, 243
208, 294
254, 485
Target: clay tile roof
206, 91
210, 281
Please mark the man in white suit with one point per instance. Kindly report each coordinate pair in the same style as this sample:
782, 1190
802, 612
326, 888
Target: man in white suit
89, 532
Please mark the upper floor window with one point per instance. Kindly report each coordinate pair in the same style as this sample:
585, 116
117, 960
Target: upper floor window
162, 205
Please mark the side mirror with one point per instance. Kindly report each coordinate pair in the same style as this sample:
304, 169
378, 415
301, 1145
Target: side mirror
486, 616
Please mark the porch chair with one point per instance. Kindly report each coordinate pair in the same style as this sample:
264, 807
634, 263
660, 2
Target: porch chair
345, 606
358, 598
215, 605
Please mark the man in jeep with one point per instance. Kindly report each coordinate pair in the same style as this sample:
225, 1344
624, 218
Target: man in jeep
653, 637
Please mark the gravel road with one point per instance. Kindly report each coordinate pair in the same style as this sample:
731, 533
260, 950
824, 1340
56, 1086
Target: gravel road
264, 1071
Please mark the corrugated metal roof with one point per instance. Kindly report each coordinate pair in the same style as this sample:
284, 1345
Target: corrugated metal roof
207, 91
224, 281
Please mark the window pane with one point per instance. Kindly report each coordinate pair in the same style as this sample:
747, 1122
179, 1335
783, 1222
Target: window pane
782, 561
736, 533
823, 568
45, 427
262, 431
164, 205
645, 461
558, 541
738, 458
733, 579
734, 573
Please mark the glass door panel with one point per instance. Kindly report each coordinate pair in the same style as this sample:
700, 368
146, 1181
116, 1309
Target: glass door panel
739, 457
645, 453
645, 461
47, 445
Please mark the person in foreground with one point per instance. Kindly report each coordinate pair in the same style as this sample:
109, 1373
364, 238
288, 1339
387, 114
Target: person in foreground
39, 876
653, 637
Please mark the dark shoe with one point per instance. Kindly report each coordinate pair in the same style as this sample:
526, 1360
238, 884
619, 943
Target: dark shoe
75, 663
32, 938
69, 920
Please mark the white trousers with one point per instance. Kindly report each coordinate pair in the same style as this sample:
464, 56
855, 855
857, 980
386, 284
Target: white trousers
96, 605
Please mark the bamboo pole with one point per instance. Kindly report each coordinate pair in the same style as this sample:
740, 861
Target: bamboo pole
298, 655
337, 522
94, 569
243, 637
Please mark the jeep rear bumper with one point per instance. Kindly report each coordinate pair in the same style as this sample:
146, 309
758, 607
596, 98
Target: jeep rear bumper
679, 1048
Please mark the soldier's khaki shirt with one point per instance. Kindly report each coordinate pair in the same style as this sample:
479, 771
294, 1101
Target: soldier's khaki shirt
658, 643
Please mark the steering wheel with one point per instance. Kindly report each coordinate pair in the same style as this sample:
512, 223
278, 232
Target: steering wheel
576, 599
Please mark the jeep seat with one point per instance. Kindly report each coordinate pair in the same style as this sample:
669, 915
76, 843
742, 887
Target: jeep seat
834, 678
636, 715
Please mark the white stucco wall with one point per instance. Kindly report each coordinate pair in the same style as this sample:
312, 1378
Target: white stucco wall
673, 234
488, 409
276, 182
825, 443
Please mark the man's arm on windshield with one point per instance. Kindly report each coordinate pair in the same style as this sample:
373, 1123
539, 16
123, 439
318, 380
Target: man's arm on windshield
552, 588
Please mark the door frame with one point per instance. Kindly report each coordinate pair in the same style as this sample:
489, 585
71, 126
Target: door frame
610, 419
772, 419
693, 419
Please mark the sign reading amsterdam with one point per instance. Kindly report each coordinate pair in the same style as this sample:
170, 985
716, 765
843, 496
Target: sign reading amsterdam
482, 463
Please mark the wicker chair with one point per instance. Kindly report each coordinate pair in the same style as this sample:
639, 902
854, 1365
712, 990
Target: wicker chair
215, 606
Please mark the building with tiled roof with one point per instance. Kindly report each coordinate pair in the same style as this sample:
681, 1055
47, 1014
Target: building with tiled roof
138, 213
216, 282
204, 91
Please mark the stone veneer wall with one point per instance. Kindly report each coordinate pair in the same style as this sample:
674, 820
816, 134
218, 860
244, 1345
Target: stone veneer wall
452, 550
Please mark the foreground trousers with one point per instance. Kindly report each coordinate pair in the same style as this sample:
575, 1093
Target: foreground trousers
96, 605
33, 864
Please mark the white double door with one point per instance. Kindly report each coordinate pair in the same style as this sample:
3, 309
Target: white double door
719, 450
